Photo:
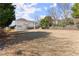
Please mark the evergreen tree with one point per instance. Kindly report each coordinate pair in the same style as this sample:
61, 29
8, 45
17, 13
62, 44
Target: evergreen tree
6, 14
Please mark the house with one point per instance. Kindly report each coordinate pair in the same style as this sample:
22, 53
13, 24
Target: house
76, 20
23, 24
12, 25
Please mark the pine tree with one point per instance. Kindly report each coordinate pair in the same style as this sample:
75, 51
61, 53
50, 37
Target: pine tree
6, 14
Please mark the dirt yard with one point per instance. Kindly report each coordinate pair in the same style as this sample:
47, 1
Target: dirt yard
42, 43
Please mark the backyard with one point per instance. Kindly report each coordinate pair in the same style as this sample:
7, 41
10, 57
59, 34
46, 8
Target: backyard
42, 43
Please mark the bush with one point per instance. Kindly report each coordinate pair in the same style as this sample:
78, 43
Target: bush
69, 22
44, 23
49, 19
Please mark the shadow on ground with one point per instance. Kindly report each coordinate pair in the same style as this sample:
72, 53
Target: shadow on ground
19, 37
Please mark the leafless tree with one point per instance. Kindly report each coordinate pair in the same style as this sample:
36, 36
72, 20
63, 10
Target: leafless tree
36, 17
65, 11
52, 13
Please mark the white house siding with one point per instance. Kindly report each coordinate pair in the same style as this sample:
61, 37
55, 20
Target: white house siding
23, 24
19, 27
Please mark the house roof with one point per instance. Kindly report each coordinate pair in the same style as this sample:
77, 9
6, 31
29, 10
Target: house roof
23, 20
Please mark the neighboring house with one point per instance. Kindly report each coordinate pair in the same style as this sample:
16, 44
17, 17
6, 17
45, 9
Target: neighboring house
23, 24
12, 25
56, 21
76, 20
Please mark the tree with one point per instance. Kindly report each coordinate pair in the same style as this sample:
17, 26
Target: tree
6, 14
66, 11
75, 10
46, 22
50, 20
63, 8
52, 13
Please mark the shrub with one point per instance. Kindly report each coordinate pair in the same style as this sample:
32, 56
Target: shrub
69, 22
44, 23
49, 19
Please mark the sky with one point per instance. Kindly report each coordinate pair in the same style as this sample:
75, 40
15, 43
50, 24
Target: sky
30, 11
34, 11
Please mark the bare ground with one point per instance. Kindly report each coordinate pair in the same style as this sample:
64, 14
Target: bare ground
43, 43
